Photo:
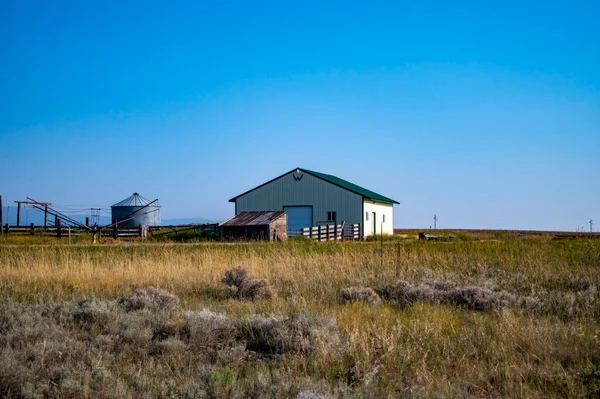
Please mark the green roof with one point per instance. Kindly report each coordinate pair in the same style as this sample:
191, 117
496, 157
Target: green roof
351, 187
338, 182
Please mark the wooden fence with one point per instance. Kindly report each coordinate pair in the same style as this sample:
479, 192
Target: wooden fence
62, 231
332, 232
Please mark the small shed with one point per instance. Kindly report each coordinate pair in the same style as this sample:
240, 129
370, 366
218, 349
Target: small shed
266, 225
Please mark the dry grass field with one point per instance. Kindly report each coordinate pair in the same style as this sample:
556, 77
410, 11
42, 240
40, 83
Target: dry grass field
505, 317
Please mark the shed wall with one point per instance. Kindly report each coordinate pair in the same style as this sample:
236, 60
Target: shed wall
304, 190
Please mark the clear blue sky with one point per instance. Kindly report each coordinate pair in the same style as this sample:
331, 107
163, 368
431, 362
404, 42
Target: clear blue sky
484, 113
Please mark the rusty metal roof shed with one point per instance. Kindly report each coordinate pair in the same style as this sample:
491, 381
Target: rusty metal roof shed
253, 218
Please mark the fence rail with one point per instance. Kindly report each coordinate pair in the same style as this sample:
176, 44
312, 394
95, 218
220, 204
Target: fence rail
329, 232
64, 231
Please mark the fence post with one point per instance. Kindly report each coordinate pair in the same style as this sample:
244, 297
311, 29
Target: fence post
319, 233
336, 232
116, 231
32, 228
58, 228
328, 232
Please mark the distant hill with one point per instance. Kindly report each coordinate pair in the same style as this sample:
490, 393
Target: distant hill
173, 222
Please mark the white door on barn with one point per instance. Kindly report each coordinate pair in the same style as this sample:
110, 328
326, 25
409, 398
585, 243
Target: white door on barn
299, 217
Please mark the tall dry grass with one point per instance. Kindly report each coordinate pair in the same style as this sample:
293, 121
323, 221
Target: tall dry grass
423, 347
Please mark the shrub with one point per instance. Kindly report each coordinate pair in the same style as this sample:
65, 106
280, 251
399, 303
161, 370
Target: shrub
208, 329
296, 333
245, 287
478, 298
438, 292
91, 313
360, 294
151, 298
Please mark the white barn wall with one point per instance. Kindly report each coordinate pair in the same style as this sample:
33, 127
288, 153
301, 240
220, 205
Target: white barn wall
380, 209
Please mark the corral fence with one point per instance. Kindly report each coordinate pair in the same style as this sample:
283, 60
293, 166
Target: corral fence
61, 231
328, 232
185, 231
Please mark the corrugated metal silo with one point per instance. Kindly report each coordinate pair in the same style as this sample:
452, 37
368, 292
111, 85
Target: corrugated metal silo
137, 210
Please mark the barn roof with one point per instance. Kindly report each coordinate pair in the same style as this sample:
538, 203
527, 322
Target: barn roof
336, 181
351, 187
253, 218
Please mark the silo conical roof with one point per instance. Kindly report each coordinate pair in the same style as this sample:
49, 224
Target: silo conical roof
134, 200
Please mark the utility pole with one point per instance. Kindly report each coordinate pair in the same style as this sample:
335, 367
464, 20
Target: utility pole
591, 226
435, 222
18, 213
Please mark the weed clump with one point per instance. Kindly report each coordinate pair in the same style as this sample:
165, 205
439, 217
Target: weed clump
243, 286
151, 298
443, 292
479, 298
208, 329
297, 333
360, 294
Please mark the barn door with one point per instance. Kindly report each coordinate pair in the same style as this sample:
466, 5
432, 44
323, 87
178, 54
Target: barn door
299, 217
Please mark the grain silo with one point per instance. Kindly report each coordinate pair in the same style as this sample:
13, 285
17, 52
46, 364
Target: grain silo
135, 211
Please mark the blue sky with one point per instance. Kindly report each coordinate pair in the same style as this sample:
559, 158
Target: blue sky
487, 115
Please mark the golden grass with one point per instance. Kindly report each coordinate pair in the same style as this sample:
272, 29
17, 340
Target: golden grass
421, 350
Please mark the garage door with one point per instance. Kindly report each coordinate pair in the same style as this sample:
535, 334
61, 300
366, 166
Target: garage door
299, 216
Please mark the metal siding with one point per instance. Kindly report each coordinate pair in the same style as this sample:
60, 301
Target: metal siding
310, 190
149, 215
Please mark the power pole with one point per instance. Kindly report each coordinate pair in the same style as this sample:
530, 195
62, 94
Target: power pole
18, 213
591, 226
435, 222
